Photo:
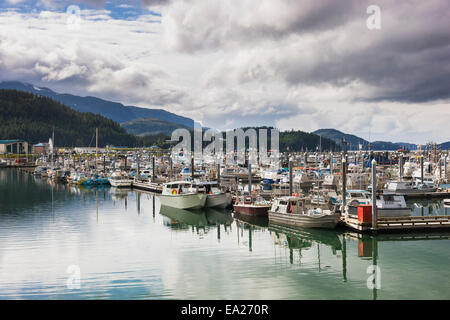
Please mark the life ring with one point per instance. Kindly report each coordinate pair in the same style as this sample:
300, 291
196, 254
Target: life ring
174, 191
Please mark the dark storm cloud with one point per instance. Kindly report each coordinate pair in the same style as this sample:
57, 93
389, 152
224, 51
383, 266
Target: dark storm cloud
402, 66
328, 42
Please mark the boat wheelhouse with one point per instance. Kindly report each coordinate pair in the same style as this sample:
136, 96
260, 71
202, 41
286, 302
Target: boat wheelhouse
251, 205
120, 179
300, 212
406, 187
182, 195
215, 197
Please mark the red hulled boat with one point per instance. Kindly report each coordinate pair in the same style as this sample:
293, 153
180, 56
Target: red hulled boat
251, 205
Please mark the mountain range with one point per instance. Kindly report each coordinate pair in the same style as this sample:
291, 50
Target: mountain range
108, 109
35, 118
145, 122
353, 142
151, 126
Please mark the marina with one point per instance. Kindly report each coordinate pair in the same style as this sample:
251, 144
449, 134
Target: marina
147, 223
128, 246
339, 187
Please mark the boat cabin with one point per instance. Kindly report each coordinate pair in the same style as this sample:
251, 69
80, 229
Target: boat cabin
179, 187
391, 201
250, 200
208, 187
290, 205
362, 196
399, 186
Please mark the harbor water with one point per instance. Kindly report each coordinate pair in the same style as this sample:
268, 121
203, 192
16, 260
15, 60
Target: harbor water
65, 242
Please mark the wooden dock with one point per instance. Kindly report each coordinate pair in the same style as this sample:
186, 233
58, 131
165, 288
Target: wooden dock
398, 224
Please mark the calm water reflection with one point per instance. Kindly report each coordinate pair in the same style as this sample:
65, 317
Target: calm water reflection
127, 247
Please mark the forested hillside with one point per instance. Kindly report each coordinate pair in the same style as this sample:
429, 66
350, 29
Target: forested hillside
33, 118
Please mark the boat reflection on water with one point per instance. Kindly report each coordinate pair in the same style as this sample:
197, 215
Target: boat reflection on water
432, 207
199, 219
119, 193
255, 221
298, 238
183, 219
251, 224
219, 216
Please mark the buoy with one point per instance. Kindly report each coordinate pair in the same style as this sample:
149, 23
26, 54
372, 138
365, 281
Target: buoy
174, 191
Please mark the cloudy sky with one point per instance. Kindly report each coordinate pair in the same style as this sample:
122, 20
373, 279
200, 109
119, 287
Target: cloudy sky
289, 63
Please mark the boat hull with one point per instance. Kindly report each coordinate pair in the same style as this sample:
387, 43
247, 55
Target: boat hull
323, 221
120, 183
394, 212
183, 201
217, 200
251, 210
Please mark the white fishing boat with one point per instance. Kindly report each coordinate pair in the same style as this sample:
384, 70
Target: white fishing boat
388, 205
299, 212
391, 205
182, 195
406, 187
214, 196
120, 179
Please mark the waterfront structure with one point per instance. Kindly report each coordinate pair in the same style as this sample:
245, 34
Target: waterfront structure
14, 146
40, 148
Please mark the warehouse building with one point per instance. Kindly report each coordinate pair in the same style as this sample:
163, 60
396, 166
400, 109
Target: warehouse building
14, 146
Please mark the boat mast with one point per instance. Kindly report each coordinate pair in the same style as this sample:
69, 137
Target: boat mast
96, 149
53, 147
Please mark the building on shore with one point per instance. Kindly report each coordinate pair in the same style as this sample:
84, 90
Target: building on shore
41, 148
14, 146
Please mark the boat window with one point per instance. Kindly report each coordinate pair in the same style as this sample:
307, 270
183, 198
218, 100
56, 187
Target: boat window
283, 203
294, 203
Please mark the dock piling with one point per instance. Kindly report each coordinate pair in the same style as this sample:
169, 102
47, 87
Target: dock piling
344, 184
249, 177
421, 169
374, 194
401, 167
290, 178
445, 167
218, 173
153, 168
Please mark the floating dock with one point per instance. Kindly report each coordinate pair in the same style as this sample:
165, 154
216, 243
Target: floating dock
398, 224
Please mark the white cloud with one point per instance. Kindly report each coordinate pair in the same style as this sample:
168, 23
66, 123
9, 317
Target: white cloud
302, 65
